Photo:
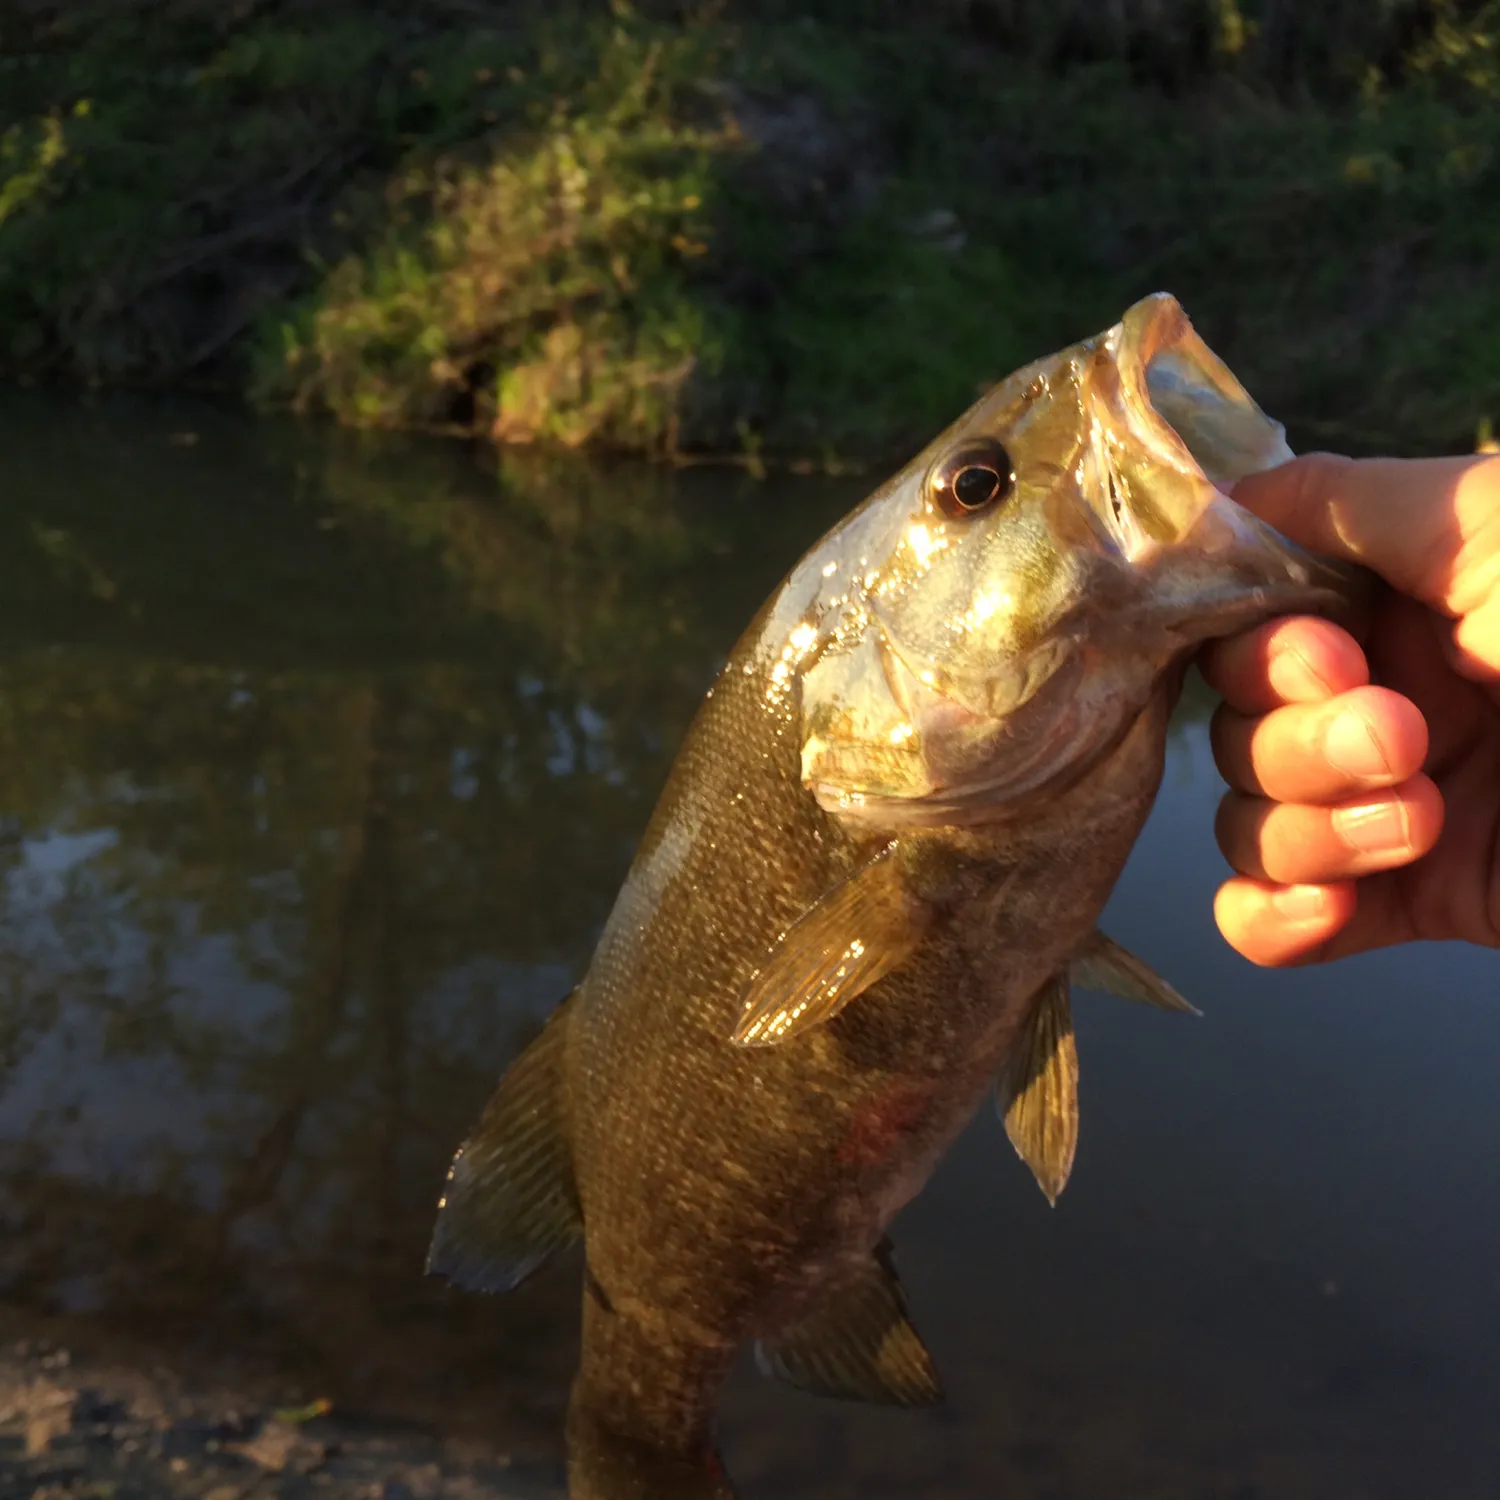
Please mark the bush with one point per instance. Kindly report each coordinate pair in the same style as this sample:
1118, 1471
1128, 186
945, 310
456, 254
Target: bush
807, 231
542, 290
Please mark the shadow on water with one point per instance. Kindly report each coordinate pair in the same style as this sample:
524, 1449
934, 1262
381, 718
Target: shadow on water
321, 758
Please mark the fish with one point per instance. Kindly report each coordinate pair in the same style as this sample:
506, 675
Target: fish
872, 878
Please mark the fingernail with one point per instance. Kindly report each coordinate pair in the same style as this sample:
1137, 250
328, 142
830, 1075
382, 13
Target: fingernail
1294, 677
1376, 828
1350, 745
1300, 903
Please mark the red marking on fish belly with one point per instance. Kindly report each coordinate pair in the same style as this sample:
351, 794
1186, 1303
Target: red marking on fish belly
879, 1127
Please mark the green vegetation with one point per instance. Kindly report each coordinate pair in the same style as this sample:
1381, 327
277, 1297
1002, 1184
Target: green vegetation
806, 231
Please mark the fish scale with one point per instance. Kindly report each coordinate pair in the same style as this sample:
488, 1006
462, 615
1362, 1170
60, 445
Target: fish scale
876, 865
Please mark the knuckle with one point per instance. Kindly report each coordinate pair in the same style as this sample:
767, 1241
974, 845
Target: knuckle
1226, 738
1240, 830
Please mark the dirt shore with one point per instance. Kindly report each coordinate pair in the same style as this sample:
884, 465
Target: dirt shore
83, 1429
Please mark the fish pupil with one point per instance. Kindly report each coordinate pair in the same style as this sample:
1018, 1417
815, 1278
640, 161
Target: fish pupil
975, 486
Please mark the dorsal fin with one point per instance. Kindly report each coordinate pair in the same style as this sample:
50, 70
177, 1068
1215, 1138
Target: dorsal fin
857, 933
1037, 1094
859, 1345
510, 1199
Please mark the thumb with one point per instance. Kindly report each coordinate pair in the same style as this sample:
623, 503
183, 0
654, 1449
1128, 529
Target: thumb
1429, 526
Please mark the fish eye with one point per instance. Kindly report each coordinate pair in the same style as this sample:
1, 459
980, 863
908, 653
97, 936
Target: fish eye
973, 479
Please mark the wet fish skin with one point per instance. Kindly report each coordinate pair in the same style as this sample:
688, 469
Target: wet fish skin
883, 845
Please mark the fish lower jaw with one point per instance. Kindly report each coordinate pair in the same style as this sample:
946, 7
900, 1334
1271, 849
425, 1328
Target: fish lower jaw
1208, 619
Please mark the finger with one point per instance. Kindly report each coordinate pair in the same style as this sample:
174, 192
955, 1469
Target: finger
1294, 844
1321, 752
1297, 659
1273, 925
1277, 925
1475, 651
1409, 651
1423, 524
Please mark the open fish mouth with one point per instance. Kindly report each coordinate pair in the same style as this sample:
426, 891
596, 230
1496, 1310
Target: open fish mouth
1182, 403
1173, 430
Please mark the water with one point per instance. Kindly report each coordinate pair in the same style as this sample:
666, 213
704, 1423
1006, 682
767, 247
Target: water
321, 758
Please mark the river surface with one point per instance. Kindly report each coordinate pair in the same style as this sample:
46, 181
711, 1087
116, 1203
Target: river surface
321, 759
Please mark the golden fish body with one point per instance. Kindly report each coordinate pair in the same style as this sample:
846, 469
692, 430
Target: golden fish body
879, 857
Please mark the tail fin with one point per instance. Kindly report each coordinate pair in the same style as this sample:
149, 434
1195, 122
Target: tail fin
605, 1465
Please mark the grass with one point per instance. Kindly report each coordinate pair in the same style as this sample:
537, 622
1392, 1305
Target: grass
800, 232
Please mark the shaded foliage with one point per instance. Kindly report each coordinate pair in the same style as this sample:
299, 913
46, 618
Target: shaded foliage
807, 230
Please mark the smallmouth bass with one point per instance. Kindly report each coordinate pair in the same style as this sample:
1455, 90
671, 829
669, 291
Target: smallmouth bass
875, 868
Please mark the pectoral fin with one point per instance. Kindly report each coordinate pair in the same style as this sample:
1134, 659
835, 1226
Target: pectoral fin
856, 934
1038, 1092
859, 1345
510, 1199
1102, 964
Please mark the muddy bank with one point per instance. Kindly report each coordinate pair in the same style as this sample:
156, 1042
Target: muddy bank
83, 1428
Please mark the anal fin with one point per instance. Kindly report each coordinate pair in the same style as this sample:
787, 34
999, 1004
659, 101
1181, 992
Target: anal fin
1102, 964
510, 1201
859, 1346
1037, 1094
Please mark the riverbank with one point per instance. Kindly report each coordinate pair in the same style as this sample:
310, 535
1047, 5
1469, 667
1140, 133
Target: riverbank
79, 1428
798, 237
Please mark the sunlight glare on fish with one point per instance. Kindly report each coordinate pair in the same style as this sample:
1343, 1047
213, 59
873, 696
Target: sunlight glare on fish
924, 543
987, 603
803, 638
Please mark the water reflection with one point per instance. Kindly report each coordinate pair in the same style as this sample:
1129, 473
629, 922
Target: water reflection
320, 761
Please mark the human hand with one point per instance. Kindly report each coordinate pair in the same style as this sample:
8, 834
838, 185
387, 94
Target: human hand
1364, 806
